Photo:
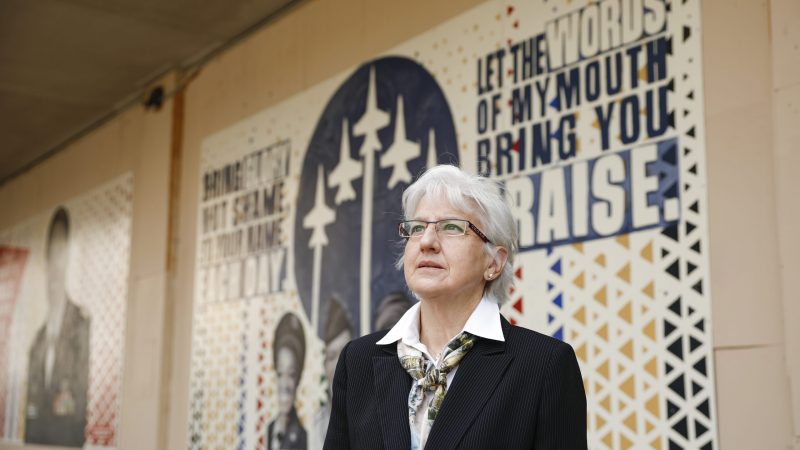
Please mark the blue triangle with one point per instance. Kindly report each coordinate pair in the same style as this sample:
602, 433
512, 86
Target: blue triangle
550, 318
550, 286
557, 301
554, 103
556, 267
559, 334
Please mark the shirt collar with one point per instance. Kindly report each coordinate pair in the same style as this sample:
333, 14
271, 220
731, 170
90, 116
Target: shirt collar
483, 322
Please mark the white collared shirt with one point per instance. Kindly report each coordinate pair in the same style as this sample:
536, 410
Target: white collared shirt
484, 322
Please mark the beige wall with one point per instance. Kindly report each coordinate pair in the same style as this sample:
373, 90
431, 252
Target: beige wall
752, 93
752, 80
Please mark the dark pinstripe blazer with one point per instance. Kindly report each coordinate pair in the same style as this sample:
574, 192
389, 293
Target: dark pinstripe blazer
524, 393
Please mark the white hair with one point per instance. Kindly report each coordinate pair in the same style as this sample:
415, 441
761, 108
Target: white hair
482, 198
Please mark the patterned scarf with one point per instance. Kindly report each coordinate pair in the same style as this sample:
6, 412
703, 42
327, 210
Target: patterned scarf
428, 376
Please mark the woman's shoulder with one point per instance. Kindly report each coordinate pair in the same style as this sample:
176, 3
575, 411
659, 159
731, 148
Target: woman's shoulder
366, 344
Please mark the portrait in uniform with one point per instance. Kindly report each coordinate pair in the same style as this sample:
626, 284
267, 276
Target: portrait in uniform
58, 363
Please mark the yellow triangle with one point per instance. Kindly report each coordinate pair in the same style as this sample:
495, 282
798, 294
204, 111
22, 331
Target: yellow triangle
626, 443
650, 330
625, 313
574, 334
603, 370
578, 246
601, 296
647, 251
648, 426
627, 349
606, 404
580, 315
623, 240
628, 387
651, 367
607, 440
596, 351
643, 73
603, 332
644, 309
625, 273
649, 290
578, 281
656, 444
601, 259
630, 422
652, 406
600, 421
581, 352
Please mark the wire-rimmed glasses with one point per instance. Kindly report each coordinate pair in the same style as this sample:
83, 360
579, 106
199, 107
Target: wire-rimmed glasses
445, 227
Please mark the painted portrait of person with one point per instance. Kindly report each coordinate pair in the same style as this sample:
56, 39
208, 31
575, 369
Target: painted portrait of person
338, 332
286, 432
58, 363
390, 310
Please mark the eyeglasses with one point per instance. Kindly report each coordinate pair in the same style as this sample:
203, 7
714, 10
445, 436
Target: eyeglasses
445, 227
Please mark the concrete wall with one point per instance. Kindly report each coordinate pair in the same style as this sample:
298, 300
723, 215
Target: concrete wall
751, 63
752, 98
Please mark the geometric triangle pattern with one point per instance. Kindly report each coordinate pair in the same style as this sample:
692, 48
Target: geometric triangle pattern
635, 307
103, 221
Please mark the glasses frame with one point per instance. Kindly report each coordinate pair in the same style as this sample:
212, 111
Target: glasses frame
470, 225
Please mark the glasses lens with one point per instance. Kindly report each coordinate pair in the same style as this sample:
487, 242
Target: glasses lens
452, 227
412, 228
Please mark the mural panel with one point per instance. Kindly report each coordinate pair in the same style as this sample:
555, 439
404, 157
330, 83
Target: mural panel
589, 113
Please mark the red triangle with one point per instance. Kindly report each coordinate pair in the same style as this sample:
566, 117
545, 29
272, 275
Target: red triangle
518, 273
513, 322
518, 305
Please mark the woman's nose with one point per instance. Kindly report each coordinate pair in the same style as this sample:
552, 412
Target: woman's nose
430, 238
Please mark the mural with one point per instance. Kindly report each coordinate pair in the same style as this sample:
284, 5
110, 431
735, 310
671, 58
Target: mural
62, 297
590, 114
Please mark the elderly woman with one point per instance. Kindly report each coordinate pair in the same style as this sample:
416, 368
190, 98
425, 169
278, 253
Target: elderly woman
453, 373
286, 432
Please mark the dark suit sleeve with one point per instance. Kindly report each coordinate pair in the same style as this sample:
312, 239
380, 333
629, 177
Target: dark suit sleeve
562, 414
338, 437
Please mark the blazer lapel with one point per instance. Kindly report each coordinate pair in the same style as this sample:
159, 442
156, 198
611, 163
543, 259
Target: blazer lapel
478, 374
392, 385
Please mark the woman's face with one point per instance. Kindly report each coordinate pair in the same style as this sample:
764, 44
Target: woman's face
286, 368
447, 267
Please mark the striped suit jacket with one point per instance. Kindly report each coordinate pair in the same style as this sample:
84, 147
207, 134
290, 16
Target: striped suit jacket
524, 393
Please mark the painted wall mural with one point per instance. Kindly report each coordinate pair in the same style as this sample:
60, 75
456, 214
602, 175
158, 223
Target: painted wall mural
589, 112
63, 291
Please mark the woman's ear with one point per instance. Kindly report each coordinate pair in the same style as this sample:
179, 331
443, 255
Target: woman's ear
498, 262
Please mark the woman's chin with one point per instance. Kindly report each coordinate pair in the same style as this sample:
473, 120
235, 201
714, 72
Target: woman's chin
429, 291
